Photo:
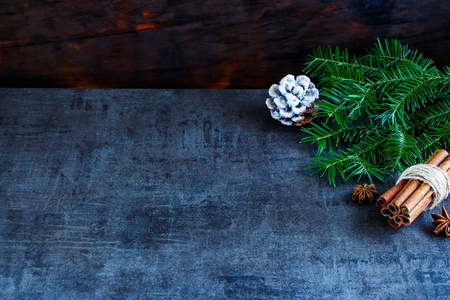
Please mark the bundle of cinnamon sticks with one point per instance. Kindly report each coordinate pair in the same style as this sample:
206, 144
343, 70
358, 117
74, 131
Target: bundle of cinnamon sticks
404, 202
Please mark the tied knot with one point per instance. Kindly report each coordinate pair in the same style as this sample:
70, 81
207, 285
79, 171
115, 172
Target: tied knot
435, 177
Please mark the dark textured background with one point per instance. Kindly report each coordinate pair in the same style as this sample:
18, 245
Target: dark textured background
199, 44
188, 194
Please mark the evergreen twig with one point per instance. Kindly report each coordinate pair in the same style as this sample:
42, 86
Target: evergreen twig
381, 112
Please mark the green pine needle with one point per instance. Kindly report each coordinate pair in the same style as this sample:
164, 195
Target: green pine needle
381, 112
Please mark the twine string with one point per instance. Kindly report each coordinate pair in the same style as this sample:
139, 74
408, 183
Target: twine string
435, 177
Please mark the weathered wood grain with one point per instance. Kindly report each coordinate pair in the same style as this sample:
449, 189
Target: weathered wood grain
187, 194
204, 44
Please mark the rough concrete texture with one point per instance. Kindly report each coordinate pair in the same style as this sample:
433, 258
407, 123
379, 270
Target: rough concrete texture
188, 194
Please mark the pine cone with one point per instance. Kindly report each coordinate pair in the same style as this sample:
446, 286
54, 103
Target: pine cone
291, 101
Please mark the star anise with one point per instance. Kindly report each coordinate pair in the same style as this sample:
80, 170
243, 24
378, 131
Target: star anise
442, 223
365, 193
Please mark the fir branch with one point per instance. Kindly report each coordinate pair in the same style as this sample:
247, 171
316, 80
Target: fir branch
334, 106
393, 52
400, 151
441, 134
325, 136
427, 145
412, 94
360, 166
324, 57
434, 114
357, 157
330, 164
436, 138
387, 108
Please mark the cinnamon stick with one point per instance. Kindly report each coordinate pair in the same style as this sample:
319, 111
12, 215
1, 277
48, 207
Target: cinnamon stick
399, 219
412, 201
404, 193
394, 224
386, 198
412, 185
406, 220
419, 208
386, 212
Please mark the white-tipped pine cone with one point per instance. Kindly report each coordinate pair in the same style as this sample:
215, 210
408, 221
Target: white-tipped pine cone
291, 101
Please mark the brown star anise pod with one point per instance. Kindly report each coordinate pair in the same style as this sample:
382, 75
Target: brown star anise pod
442, 223
365, 193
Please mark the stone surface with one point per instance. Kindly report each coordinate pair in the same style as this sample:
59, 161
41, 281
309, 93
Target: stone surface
188, 194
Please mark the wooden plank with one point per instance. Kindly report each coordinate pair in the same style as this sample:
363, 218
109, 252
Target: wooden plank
214, 44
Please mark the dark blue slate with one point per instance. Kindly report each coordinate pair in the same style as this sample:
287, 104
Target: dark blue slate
188, 194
